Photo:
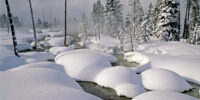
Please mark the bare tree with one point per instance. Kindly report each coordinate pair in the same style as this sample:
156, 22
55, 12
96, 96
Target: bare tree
65, 39
33, 22
187, 19
12, 28
85, 27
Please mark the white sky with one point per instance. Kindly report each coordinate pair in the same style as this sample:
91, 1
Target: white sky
42, 8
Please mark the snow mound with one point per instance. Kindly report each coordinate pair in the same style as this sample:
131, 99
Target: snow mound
109, 57
161, 79
33, 57
143, 61
123, 80
58, 50
24, 83
82, 65
59, 41
185, 66
131, 90
114, 76
164, 95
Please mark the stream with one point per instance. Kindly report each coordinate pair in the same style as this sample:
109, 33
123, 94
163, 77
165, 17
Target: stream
110, 94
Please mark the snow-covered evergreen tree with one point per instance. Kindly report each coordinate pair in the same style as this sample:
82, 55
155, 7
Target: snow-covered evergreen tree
154, 15
146, 26
98, 18
195, 35
113, 17
168, 26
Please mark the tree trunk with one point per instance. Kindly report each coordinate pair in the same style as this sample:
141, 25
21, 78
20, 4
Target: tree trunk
33, 22
12, 28
186, 25
65, 38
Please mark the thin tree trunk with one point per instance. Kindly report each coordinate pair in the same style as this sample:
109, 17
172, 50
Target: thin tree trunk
33, 22
12, 28
186, 25
132, 40
65, 38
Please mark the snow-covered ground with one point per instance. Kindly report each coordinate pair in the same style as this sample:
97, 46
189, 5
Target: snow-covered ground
163, 68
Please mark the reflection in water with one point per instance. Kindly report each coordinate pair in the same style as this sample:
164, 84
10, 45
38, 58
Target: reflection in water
122, 62
99, 91
194, 92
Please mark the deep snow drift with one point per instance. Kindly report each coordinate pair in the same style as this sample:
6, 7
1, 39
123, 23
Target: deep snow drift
40, 81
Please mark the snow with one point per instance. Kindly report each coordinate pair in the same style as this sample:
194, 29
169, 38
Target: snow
180, 58
33, 57
56, 34
163, 95
33, 82
131, 90
137, 57
161, 79
9, 60
114, 76
82, 65
88, 65
107, 44
109, 57
123, 80
59, 41
58, 50
23, 45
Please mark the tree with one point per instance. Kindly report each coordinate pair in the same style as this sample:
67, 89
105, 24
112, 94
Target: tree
12, 28
195, 35
168, 26
33, 22
136, 18
98, 17
187, 19
84, 26
154, 15
39, 23
113, 17
65, 38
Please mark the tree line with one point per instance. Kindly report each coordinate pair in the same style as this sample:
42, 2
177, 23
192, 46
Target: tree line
162, 21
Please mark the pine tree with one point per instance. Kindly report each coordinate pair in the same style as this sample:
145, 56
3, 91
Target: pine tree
114, 17
39, 23
146, 25
195, 35
12, 28
155, 14
98, 17
168, 27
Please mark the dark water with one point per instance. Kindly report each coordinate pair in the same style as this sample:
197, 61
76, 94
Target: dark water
194, 92
122, 62
102, 92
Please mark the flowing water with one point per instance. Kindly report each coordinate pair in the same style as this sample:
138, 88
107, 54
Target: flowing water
102, 92
110, 94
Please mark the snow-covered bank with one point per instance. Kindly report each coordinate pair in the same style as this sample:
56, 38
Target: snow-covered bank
88, 65
174, 56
